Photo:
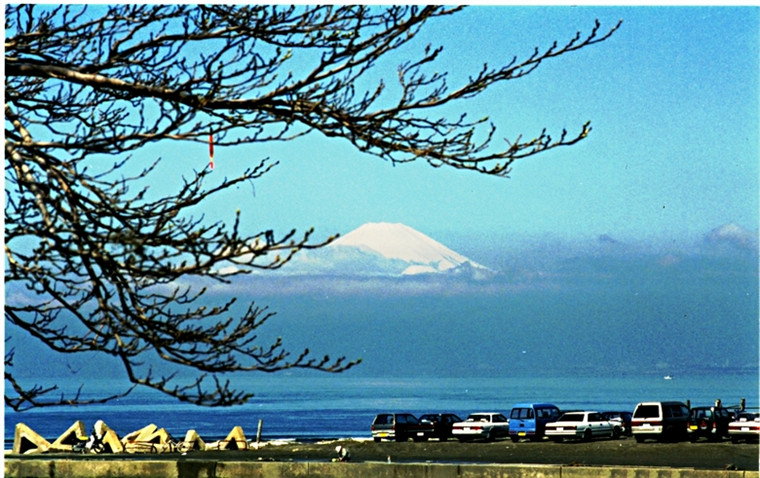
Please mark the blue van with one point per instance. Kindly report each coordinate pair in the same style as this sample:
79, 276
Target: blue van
528, 420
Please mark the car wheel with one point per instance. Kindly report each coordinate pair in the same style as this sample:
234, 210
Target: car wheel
377, 439
587, 435
400, 437
557, 439
615, 433
514, 438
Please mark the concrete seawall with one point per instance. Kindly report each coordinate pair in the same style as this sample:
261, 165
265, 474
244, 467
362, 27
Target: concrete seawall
199, 468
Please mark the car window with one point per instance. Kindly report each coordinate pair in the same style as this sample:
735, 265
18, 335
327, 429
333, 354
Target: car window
594, 417
571, 417
646, 411
384, 419
522, 413
499, 418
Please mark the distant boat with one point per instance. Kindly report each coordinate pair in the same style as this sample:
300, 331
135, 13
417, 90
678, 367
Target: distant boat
668, 377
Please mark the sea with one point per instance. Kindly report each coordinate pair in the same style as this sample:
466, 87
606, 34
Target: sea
313, 407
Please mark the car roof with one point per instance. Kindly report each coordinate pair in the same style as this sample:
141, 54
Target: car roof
663, 403
533, 405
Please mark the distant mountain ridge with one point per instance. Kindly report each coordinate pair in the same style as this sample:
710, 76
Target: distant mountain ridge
386, 249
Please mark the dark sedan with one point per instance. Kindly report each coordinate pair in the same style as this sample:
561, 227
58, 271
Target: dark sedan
442, 423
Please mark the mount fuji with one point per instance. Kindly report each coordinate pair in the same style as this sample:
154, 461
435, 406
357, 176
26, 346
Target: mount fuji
385, 249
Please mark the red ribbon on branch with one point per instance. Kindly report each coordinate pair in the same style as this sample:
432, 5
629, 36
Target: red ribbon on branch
211, 152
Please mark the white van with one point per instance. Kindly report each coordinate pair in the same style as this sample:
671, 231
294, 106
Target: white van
662, 421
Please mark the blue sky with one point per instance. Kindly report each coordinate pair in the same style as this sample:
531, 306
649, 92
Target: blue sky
672, 98
673, 103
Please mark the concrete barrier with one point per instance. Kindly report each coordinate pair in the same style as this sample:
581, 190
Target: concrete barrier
199, 468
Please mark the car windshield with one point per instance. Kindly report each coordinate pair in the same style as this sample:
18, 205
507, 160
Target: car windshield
522, 413
748, 417
571, 417
646, 411
478, 418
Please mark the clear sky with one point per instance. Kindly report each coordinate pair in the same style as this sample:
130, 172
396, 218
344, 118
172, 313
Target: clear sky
673, 103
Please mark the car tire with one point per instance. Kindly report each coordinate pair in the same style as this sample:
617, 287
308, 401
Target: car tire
587, 435
377, 439
514, 438
615, 433
639, 439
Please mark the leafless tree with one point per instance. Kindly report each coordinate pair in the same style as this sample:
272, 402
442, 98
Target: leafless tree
99, 258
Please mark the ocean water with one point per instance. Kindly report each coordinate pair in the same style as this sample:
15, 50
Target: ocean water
311, 407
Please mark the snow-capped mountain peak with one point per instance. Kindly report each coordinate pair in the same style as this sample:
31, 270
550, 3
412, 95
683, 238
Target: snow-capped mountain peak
382, 250
399, 242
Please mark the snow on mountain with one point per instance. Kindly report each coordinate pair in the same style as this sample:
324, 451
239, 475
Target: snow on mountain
385, 249
401, 242
732, 235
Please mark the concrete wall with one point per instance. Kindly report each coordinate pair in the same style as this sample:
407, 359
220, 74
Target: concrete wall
199, 468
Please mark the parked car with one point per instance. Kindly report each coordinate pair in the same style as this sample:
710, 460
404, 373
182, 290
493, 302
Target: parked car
623, 419
746, 427
442, 424
709, 422
486, 426
582, 426
661, 421
528, 420
399, 427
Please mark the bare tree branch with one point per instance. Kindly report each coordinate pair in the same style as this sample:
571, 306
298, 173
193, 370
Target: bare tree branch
99, 258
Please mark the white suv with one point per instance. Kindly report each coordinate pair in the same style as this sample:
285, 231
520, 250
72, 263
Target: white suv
660, 420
